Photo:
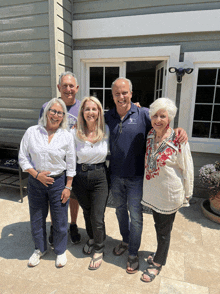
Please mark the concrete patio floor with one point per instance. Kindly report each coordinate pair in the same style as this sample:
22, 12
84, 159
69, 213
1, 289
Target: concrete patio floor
193, 265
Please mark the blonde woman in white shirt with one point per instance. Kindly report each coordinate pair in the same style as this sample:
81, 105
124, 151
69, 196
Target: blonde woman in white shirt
47, 153
90, 183
168, 179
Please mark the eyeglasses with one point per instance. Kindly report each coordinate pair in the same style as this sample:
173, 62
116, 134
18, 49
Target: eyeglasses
59, 113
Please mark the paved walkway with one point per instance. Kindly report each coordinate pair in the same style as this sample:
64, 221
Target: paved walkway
193, 265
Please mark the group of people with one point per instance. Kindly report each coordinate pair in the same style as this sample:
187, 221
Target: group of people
150, 165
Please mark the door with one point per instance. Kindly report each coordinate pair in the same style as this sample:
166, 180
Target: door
160, 79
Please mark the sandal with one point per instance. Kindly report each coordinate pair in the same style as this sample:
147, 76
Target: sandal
134, 264
87, 249
95, 260
151, 275
121, 248
150, 258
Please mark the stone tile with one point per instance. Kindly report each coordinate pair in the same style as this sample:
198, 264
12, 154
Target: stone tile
174, 268
214, 291
204, 277
169, 286
12, 285
152, 288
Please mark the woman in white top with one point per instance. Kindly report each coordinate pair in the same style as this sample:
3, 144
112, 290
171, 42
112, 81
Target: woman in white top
168, 179
90, 183
47, 153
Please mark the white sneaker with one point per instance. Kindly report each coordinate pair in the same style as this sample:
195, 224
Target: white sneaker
61, 260
35, 257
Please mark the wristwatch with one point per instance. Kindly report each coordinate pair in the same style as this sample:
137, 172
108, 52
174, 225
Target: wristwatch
69, 188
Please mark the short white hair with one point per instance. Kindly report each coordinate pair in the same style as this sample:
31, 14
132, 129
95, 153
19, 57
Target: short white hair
43, 119
67, 73
165, 104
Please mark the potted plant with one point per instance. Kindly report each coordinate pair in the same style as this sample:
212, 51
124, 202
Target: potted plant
209, 175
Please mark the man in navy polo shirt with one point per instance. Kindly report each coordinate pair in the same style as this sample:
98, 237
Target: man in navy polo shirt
128, 126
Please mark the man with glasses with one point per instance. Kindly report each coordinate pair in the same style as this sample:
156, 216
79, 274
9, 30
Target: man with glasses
68, 88
128, 126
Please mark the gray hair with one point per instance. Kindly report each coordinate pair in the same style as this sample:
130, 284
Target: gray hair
165, 104
122, 78
43, 119
67, 73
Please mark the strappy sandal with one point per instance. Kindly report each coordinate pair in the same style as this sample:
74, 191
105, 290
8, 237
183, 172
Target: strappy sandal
95, 260
87, 249
151, 275
134, 264
120, 247
150, 258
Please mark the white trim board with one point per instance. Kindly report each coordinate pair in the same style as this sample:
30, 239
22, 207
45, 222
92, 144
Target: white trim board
148, 24
169, 53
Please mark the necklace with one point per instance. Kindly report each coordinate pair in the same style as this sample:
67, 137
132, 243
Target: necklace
154, 154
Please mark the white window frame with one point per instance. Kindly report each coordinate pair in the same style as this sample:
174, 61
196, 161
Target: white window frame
81, 58
205, 59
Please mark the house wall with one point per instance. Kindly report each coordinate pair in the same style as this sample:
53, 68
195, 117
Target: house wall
35, 46
195, 40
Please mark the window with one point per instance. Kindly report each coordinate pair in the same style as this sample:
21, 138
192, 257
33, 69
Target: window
206, 120
100, 82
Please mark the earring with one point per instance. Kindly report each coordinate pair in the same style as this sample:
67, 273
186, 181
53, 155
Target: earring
167, 127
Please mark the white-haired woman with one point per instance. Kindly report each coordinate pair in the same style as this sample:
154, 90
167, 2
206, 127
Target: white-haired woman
168, 179
90, 183
47, 153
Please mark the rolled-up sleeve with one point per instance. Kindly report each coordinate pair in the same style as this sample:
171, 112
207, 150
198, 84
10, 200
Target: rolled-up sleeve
71, 158
186, 164
24, 156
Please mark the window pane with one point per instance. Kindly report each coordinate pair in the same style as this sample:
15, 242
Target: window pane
215, 131
161, 78
205, 94
158, 79
217, 95
111, 74
207, 76
203, 112
201, 129
98, 94
109, 102
216, 115
218, 80
96, 77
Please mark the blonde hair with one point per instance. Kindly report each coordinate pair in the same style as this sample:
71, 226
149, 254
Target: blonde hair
82, 125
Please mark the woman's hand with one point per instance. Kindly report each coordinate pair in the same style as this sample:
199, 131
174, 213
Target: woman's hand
44, 179
65, 195
181, 135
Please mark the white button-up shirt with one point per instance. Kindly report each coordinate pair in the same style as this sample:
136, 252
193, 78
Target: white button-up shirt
56, 156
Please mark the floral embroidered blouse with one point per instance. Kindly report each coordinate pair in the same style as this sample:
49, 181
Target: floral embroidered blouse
169, 175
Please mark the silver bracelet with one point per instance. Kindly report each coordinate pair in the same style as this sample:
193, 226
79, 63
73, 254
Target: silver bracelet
69, 188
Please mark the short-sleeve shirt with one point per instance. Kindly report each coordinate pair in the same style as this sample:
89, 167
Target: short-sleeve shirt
128, 141
72, 112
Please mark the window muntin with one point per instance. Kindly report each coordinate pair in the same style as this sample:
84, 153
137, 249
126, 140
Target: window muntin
206, 121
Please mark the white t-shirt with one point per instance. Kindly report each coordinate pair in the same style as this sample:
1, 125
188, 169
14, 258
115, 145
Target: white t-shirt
90, 153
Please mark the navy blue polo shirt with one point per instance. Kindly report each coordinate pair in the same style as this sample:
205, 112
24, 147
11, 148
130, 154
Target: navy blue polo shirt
128, 141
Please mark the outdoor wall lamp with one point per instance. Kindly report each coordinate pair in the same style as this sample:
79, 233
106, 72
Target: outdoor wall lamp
180, 72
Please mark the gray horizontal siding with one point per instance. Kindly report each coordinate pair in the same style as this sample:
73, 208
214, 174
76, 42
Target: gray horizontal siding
189, 42
64, 35
25, 81
105, 8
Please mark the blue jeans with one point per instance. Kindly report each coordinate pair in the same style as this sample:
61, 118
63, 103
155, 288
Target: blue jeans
39, 197
127, 195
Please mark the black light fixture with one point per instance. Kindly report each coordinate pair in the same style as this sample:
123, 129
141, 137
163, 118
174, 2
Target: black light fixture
180, 72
